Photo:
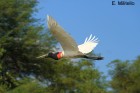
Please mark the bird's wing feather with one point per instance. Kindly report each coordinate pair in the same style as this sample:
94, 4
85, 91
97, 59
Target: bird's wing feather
68, 44
89, 44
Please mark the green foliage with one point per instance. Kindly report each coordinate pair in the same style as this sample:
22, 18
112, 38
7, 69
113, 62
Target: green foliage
22, 39
29, 86
75, 77
125, 76
3, 88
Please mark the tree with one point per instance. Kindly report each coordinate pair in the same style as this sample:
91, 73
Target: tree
125, 76
21, 41
29, 86
76, 77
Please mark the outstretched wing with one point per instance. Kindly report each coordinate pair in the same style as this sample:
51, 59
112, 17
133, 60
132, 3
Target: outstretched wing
68, 44
89, 44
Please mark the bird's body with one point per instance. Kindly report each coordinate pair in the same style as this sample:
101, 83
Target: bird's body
70, 47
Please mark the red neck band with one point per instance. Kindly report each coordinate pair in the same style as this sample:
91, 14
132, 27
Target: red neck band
59, 55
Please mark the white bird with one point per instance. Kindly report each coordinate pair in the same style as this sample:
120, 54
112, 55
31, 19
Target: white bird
70, 47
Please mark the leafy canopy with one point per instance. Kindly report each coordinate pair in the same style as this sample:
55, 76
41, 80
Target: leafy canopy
125, 76
22, 39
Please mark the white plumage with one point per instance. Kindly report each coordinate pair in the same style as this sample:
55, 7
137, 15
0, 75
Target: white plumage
70, 47
68, 44
89, 44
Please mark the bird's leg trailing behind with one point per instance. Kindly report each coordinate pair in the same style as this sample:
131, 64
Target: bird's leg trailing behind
56, 56
93, 57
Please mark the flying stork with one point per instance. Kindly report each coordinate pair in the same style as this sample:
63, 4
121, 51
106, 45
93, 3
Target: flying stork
70, 47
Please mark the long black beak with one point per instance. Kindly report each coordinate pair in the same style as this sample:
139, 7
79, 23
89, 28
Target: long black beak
42, 56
